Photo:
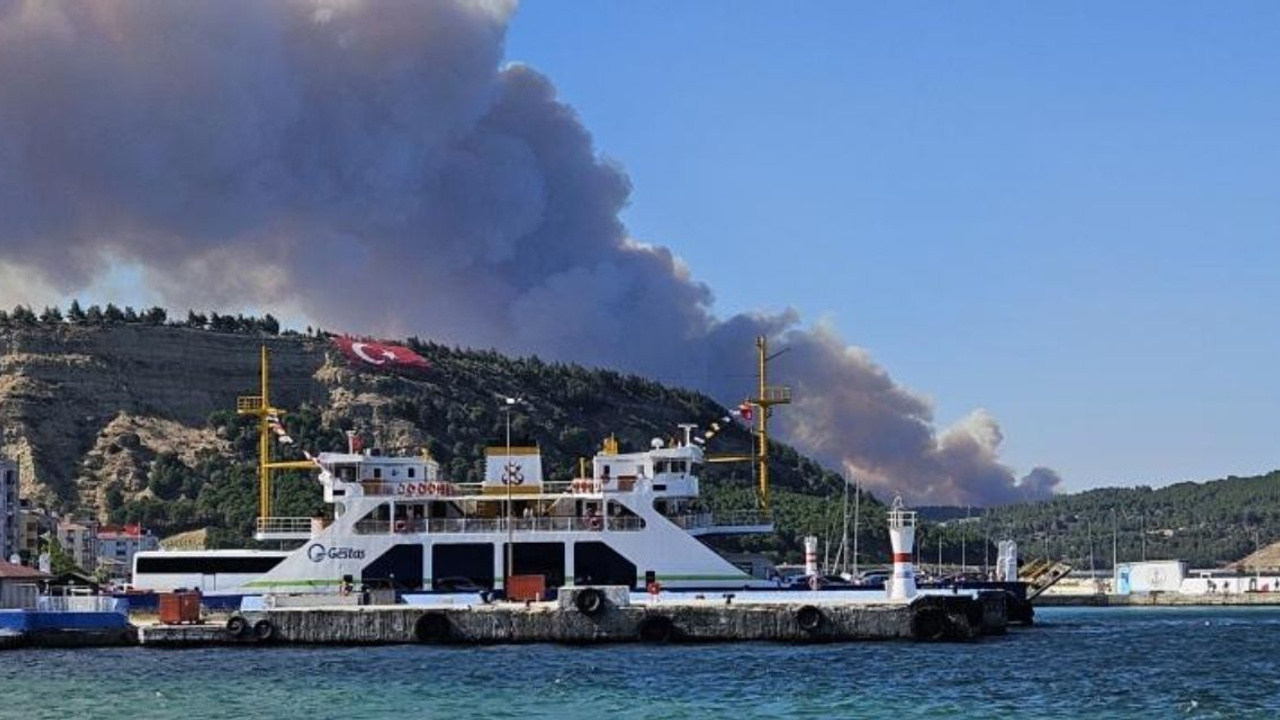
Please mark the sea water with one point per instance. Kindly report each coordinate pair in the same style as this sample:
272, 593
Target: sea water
1075, 663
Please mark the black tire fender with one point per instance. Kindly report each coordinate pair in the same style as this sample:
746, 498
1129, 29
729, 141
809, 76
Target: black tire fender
433, 627
237, 626
589, 601
656, 629
929, 624
809, 618
264, 630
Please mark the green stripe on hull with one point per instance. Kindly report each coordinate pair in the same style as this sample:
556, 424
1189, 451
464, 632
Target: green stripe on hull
291, 583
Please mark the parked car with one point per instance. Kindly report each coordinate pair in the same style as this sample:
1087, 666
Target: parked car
459, 584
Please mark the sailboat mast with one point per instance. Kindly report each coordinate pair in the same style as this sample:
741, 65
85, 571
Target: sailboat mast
857, 496
844, 529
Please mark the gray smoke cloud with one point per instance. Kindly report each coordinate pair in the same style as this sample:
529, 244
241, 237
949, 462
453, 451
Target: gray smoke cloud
376, 167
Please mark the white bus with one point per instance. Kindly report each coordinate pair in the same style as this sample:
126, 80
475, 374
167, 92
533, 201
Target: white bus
212, 572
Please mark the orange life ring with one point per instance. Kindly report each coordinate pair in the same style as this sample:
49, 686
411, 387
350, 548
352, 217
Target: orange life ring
654, 587
408, 488
594, 523
401, 526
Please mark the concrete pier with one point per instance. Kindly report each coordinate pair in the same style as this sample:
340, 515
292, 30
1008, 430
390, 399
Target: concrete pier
602, 615
1159, 599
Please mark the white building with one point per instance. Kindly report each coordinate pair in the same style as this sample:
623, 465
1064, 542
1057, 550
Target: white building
1149, 576
10, 522
117, 546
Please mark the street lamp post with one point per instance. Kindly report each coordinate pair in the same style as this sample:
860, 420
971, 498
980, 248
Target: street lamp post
506, 470
507, 407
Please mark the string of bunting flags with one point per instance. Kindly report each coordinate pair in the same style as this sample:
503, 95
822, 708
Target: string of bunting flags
282, 435
743, 412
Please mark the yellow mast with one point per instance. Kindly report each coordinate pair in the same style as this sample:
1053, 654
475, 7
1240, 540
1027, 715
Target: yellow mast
260, 407
765, 398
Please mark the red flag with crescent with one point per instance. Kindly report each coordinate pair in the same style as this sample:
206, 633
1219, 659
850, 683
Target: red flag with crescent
367, 353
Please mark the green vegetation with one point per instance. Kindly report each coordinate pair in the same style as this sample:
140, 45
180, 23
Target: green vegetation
1206, 524
23, 316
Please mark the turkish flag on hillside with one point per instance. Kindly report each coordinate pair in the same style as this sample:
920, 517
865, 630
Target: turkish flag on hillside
366, 353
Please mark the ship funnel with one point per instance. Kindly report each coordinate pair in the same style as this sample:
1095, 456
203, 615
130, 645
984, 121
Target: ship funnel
811, 556
902, 535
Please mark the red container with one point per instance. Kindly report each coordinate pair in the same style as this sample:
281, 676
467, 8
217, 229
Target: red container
179, 607
526, 587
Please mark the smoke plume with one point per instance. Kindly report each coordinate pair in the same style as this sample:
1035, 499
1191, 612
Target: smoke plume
376, 168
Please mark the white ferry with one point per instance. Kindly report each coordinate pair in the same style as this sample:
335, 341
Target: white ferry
631, 519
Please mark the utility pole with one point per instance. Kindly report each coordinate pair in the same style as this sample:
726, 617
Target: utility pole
1090, 526
1144, 536
986, 543
1115, 541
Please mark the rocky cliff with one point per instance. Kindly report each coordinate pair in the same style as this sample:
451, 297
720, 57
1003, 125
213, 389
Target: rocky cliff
82, 406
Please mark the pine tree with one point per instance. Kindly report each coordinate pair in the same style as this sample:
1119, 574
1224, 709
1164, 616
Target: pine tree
270, 325
75, 313
157, 316
112, 314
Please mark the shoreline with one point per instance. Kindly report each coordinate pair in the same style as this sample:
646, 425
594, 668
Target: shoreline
1258, 599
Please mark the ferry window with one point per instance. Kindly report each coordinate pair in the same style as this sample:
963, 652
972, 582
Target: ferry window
545, 559
207, 564
395, 472
411, 473
462, 563
597, 563
377, 473
346, 473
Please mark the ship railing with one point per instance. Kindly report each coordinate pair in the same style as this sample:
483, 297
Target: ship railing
441, 489
552, 523
15, 596
81, 603
298, 526
738, 518
413, 488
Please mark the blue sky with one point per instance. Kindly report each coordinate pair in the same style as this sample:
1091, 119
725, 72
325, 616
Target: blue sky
1068, 215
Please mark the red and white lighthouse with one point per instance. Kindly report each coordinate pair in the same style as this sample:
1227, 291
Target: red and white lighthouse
902, 536
811, 558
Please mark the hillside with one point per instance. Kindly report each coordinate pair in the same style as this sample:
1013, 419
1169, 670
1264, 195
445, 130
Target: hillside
132, 419
1207, 524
